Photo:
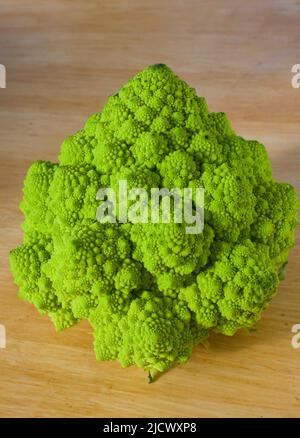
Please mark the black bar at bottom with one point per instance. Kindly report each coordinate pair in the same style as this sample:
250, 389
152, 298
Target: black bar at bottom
148, 426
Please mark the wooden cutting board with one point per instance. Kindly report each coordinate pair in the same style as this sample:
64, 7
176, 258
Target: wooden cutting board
63, 58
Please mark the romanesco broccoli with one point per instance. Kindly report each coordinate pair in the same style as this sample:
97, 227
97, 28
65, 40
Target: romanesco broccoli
151, 292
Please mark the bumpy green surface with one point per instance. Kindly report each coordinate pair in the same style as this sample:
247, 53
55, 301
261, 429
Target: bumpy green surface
150, 291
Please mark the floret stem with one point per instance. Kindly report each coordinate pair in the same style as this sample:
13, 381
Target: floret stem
281, 272
150, 377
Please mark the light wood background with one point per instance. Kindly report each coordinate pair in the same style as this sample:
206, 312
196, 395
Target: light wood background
63, 58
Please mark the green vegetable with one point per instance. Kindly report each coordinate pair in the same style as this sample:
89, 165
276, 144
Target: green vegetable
150, 291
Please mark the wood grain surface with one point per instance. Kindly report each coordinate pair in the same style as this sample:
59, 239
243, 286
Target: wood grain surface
63, 59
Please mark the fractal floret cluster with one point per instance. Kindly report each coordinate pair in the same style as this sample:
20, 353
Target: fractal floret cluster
151, 292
